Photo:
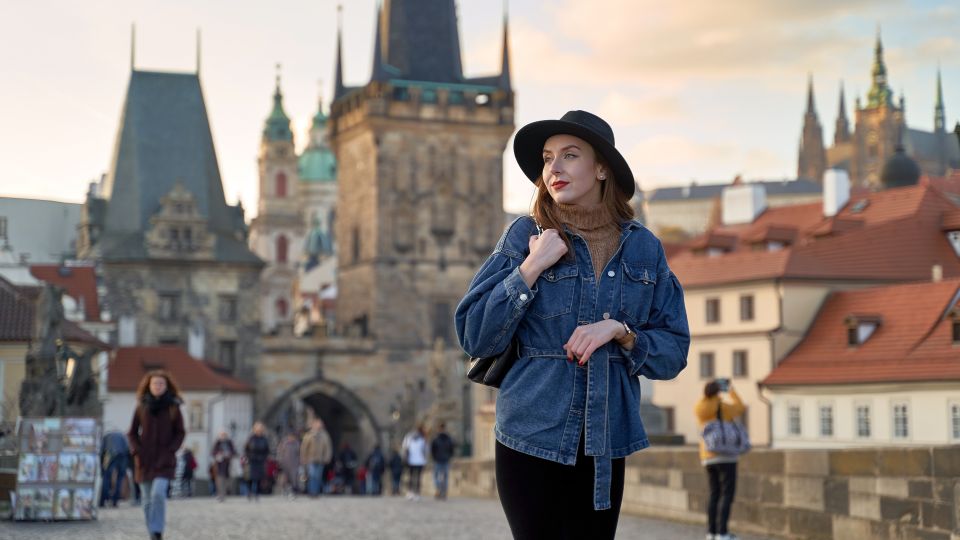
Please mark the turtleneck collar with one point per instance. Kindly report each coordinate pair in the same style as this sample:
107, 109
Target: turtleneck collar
585, 218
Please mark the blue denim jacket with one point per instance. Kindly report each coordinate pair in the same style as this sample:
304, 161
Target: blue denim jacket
544, 400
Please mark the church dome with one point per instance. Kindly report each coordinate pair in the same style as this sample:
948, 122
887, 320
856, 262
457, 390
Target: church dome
900, 170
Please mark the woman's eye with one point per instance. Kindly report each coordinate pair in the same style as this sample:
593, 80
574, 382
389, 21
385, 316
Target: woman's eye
569, 155
546, 159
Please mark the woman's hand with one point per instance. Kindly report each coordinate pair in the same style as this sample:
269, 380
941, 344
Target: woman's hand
545, 250
590, 337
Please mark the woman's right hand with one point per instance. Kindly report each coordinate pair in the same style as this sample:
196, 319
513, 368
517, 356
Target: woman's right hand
545, 250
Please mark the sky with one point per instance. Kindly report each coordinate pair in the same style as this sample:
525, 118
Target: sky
696, 90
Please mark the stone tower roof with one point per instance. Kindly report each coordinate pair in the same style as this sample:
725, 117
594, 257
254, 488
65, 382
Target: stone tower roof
164, 138
420, 39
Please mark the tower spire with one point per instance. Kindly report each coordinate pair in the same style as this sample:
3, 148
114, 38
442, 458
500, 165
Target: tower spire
277, 127
841, 132
811, 107
133, 45
939, 115
505, 83
378, 73
338, 89
880, 93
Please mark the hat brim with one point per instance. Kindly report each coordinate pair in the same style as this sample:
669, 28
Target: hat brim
528, 149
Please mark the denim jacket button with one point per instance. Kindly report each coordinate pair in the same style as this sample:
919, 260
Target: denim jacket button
606, 316
523, 297
611, 273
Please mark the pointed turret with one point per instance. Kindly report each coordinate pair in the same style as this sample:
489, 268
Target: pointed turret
812, 159
277, 126
338, 88
939, 115
421, 40
505, 83
841, 132
378, 73
880, 93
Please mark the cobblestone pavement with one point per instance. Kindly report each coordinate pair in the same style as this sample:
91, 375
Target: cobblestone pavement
354, 518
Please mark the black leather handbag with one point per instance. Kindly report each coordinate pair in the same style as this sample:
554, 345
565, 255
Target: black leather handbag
490, 370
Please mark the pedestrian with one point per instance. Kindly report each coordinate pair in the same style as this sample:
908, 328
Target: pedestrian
721, 468
223, 453
255, 453
415, 450
316, 451
584, 292
288, 455
375, 468
348, 470
189, 466
114, 458
156, 433
441, 450
396, 471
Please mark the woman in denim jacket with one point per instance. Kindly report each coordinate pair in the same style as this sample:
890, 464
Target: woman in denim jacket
593, 305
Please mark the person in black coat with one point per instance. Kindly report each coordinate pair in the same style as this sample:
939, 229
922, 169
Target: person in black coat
255, 453
396, 470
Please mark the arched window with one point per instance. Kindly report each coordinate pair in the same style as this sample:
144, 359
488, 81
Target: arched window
282, 249
281, 308
281, 184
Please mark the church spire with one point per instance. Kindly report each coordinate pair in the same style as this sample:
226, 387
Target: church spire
277, 126
880, 93
812, 158
378, 73
939, 115
811, 107
841, 132
505, 83
338, 89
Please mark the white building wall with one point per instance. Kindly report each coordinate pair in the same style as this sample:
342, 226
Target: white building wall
928, 419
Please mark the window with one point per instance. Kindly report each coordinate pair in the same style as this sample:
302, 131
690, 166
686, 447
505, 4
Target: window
282, 249
706, 365
228, 354
863, 421
196, 416
901, 421
282, 308
740, 364
852, 337
793, 420
955, 421
169, 306
713, 310
956, 331
228, 308
281, 184
746, 307
826, 421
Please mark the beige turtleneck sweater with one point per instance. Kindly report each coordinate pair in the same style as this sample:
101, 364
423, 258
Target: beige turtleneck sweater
597, 227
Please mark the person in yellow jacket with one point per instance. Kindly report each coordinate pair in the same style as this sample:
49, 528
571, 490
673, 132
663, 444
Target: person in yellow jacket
721, 468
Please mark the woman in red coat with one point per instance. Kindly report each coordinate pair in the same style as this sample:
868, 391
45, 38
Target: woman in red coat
155, 435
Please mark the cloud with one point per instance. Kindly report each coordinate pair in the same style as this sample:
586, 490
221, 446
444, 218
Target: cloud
630, 110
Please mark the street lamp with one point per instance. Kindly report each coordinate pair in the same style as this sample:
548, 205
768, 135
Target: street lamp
66, 362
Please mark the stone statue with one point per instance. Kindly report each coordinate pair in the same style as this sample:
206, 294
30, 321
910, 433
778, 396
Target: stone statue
40, 391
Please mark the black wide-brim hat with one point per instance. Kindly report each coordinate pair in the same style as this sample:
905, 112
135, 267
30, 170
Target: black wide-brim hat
528, 145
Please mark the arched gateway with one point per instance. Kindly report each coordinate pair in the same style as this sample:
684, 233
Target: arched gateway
346, 416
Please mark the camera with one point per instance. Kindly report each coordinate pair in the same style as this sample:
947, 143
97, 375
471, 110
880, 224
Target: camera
724, 384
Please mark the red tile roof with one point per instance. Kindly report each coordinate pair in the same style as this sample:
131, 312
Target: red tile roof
912, 343
889, 235
18, 313
132, 363
79, 282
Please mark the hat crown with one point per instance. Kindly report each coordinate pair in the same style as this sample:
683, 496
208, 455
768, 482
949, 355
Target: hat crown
592, 122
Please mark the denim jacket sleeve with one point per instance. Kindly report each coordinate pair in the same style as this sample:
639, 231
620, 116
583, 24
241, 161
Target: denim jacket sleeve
662, 344
497, 298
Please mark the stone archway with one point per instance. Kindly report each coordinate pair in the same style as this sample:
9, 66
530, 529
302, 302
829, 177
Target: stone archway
347, 417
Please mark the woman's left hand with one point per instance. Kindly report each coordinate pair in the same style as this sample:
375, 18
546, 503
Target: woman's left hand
590, 337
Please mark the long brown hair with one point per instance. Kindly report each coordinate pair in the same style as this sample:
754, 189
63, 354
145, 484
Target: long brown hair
615, 201
144, 386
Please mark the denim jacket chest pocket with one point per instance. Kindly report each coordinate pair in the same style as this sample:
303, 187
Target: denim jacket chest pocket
556, 288
636, 291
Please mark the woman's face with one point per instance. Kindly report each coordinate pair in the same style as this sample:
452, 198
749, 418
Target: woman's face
158, 385
571, 171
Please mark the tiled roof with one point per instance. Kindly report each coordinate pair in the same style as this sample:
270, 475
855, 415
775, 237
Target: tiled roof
79, 282
132, 363
890, 235
913, 342
17, 314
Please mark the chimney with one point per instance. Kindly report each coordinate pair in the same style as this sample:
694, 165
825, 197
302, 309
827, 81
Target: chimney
836, 191
937, 273
743, 203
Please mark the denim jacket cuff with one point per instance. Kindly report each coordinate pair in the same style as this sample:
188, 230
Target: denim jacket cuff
638, 355
517, 290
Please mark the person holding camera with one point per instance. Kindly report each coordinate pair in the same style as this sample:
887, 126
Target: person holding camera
721, 468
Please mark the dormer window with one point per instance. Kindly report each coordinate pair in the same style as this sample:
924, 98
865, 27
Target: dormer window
860, 328
954, 316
